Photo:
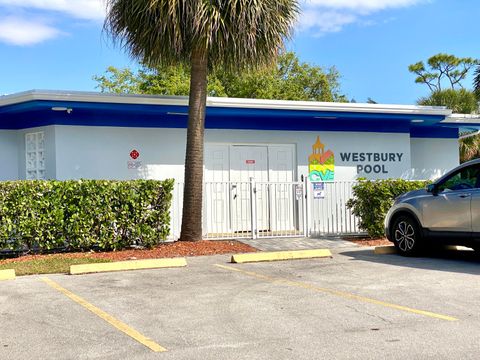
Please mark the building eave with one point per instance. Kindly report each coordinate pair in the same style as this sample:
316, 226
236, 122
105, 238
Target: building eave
473, 119
95, 97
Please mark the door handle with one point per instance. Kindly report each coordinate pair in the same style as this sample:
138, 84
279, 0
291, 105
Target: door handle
464, 195
234, 187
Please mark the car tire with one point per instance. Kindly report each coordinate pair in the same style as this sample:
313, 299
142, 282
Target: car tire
406, 236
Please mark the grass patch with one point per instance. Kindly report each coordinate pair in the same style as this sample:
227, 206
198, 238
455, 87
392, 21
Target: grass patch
53, 265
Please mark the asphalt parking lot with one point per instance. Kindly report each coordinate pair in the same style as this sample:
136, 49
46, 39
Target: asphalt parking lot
356, 305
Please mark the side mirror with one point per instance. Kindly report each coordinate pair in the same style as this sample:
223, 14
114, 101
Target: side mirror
432, 188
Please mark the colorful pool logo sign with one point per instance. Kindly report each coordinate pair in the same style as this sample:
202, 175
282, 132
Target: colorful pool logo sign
321, 163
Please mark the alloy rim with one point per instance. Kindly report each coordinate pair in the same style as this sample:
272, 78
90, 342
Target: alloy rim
405, 236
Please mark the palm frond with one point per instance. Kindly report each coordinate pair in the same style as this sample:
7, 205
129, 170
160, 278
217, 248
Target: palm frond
232, 33
476, 82
469, 148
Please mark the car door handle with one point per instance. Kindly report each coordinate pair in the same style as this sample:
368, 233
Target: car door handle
464, 195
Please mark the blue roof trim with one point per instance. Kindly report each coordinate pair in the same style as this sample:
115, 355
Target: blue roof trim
462, 125
434, 132
38, 113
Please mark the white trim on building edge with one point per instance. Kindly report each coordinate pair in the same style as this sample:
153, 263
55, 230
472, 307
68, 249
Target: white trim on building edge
95, 97
473, 119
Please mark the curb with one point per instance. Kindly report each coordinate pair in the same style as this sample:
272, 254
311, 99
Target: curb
8, 274
127, 265
280, 255
384, 250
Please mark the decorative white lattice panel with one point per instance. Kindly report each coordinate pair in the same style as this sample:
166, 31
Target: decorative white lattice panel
35, 155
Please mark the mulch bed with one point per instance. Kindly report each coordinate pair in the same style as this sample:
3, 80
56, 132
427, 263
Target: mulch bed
367, 241
167, 250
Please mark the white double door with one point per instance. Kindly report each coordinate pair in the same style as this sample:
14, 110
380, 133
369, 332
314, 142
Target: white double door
228, 170
248, 162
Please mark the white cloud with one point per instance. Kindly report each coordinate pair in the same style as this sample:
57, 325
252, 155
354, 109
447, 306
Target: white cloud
318, 16
324, 16
362, 5
81, 9
17, 31
325, 21
18, 28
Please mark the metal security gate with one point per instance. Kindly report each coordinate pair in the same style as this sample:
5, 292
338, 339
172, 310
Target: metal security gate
270, 209
254, 209
285, 209
329, 214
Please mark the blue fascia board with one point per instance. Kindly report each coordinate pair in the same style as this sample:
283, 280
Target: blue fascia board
38, 113
460, 125
437, 132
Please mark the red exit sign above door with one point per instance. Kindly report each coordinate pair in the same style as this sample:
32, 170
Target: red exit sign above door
249, 162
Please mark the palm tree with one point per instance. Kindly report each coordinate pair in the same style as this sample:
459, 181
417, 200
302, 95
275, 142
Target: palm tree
469, 146
234, 34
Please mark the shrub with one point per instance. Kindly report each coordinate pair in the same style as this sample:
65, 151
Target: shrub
373, 198
83, 214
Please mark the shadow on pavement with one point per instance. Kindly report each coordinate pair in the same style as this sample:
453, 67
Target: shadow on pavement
461, 261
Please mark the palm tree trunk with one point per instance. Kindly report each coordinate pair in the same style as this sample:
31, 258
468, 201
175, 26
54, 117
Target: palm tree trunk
192, 193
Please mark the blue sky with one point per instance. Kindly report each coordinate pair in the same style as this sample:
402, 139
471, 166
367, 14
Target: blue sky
58, 44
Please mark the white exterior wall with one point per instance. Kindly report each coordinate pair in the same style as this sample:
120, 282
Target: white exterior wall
338, 142
103, 152
74, 152
431, 158
9, 151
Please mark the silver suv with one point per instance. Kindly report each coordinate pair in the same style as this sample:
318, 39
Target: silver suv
445, 212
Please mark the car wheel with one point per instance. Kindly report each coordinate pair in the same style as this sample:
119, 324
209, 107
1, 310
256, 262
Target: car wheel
406, 236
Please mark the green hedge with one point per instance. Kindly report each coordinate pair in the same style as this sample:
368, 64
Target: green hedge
373, 198
85, 214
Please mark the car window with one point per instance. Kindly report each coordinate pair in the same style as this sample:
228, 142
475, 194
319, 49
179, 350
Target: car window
461, 180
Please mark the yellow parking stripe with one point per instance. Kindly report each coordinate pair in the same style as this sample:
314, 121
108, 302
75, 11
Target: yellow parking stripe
127, 265
108, 318
342, 294
280, 255
8, 274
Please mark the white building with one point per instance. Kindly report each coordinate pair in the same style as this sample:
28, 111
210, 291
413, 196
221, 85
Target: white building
73, 135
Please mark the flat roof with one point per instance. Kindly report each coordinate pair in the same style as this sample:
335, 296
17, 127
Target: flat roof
36, 108
96, 97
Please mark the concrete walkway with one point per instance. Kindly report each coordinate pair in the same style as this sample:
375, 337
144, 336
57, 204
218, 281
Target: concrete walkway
280, 244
